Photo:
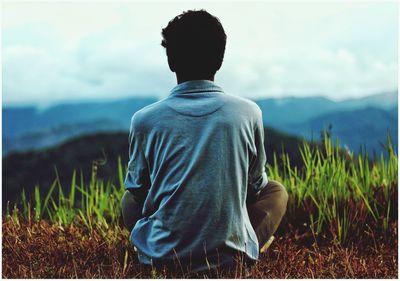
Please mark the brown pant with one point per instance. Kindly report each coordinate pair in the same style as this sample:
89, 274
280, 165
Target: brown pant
265, 212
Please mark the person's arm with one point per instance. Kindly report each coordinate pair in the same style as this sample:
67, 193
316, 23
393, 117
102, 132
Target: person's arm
257, 176
137, 180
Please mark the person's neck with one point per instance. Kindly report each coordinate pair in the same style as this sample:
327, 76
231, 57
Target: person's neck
182, 78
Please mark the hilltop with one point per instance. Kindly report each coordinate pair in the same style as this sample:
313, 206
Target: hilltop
20, 169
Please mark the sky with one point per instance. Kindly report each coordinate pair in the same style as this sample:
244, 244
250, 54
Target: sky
69, 51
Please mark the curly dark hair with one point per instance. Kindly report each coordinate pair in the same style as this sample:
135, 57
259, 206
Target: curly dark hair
195, 43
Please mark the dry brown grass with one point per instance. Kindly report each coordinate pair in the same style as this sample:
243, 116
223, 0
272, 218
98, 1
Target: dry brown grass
45, 250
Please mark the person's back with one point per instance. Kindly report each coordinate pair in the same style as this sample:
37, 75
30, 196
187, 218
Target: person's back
196, 157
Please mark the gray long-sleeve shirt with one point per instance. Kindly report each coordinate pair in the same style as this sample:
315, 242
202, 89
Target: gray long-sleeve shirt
199, 153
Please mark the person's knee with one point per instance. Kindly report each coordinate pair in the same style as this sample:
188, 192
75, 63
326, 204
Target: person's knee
277, 186
127, 197
282, 195
267, 213
130, 210
285, 194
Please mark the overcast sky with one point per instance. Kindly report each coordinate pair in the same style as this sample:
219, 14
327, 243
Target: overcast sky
54, 52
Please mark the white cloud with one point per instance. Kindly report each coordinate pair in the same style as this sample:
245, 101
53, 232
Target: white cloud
64, 51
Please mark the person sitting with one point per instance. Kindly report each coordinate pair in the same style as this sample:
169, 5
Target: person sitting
197, 192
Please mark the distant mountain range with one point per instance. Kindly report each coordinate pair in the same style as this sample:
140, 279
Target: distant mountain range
23, 121
283, 111
356, 122
363, 122
365, 128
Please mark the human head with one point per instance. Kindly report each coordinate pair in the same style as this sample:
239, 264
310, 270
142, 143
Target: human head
195, 44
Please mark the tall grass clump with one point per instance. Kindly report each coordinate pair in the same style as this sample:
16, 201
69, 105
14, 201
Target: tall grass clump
95, 205
337, 193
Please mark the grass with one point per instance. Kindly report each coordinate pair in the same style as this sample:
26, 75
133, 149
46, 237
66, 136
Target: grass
46, 250
340, 193
341, 220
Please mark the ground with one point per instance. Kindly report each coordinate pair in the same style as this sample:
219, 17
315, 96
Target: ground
46, 250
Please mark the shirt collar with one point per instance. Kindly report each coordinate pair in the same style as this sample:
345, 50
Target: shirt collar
195, 86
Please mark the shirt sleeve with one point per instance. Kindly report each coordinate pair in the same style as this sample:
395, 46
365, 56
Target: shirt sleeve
257, 175
137, 178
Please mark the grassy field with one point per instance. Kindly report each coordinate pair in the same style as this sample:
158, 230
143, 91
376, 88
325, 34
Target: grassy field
341, 222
